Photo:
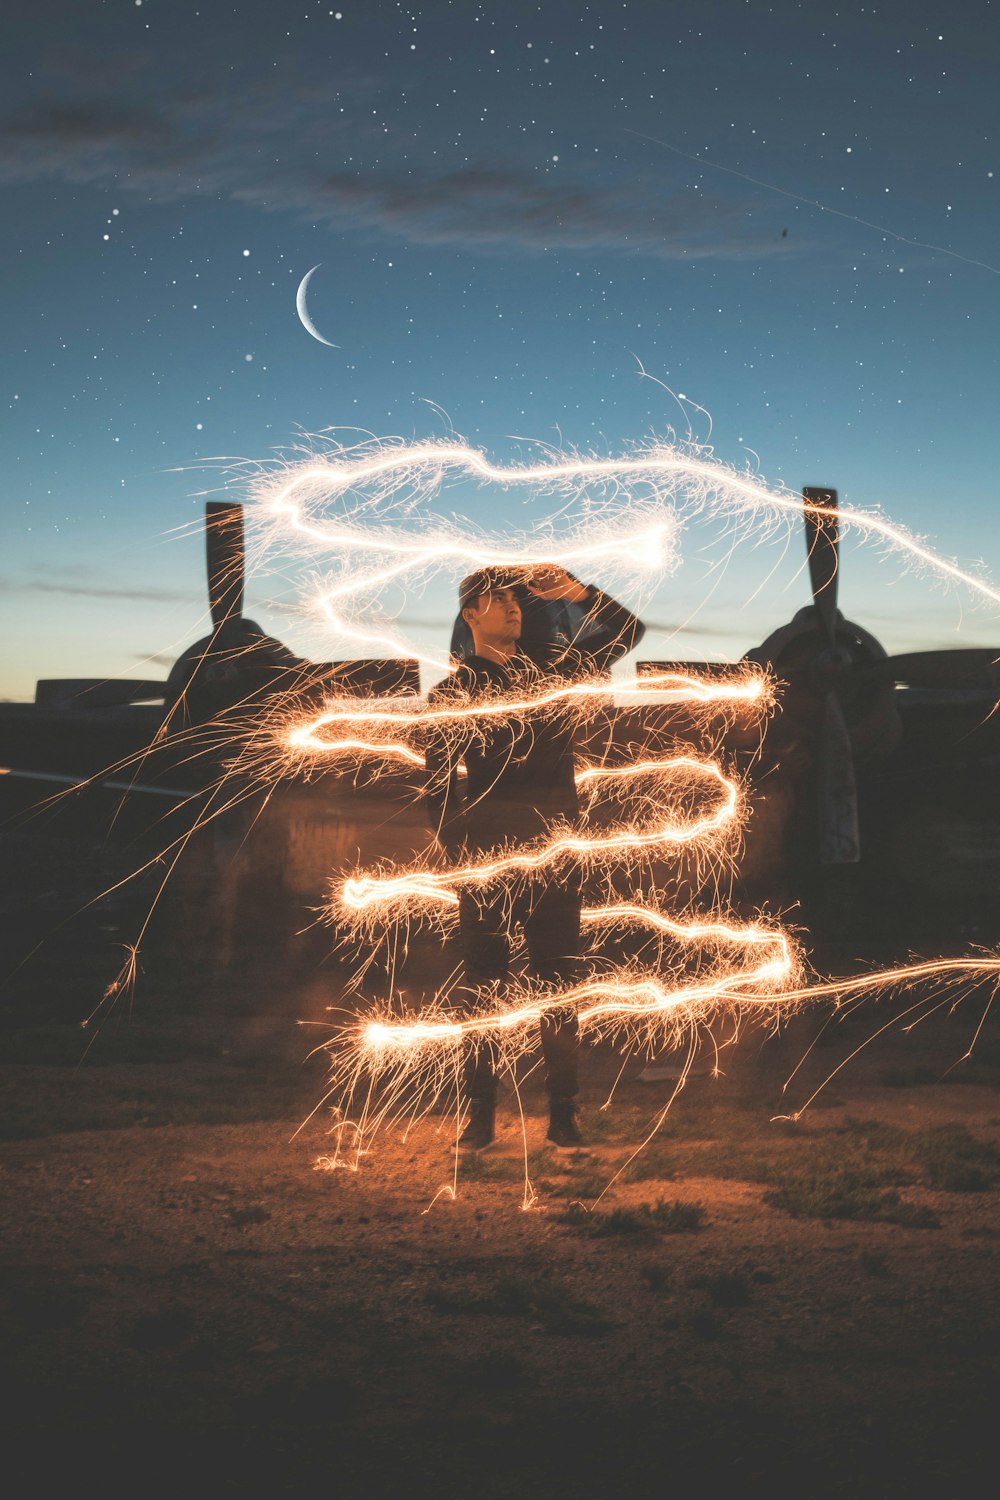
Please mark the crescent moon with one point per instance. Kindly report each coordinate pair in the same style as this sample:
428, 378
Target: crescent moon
303, 311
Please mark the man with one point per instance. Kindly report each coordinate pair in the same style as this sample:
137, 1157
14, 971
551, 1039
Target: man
520, 782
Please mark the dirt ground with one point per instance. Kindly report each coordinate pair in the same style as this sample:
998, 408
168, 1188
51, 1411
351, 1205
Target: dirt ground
188, 1298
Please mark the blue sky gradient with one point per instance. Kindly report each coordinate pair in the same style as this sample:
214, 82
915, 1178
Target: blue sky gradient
759, 227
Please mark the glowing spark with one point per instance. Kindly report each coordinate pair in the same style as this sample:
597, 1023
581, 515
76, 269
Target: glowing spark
748, 692
369, 509
612, 1002
304, 737
359, 892
693, 932
407, 475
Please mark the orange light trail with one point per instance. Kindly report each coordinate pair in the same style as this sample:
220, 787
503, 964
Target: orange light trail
751, 689
385, 533
641, 1008
692, 931
358, 893
644, 999
596, 1003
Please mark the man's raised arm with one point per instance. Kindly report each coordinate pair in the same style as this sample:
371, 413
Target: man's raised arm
608, 631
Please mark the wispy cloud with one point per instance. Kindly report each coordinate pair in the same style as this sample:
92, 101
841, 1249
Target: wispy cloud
201, 142
503, 209
91, 589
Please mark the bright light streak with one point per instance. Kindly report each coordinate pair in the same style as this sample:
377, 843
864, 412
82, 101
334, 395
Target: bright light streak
748, 693
371, 510
621, 515
596, 1004
359, 892
384, 533
669, 687
639, 1009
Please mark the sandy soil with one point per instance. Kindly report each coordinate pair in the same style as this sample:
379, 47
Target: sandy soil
186, 1299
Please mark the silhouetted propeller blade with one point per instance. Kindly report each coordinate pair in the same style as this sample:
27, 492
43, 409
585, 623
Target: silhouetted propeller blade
822, 532
968, 667
224, 543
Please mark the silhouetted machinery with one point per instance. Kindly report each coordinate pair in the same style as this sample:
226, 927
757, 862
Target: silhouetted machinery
81, 728
902, 755
887, 763
876, 798
237, 665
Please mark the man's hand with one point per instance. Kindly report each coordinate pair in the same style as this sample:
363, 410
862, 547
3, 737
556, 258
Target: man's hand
549, 581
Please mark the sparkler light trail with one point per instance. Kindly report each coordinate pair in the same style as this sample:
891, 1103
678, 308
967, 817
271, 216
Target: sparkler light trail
665, 803
620, 999
618, 513
750, 688
673, 812
361, 892
374, 511
417, 1060
748, 696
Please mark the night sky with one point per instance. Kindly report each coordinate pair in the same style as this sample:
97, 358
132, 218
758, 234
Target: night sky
771, 228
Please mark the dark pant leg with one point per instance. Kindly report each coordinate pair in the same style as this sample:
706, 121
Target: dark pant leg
484, 936
484, 927
552, 931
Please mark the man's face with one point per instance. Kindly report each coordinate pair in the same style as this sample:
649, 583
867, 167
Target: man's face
495, 617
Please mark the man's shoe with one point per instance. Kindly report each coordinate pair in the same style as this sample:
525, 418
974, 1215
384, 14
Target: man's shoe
479, 1132
563, 1129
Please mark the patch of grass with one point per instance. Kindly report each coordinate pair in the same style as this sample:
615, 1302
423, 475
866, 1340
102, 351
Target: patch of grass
584, 1184
952, 1159
658, 1218
727, 1289
851, 1171
254, 1213
750, 1154
607, 1126
946, 1157
549, 1304
847, 1194
655, 1164
709, 1120
656, 1277
874, 1263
